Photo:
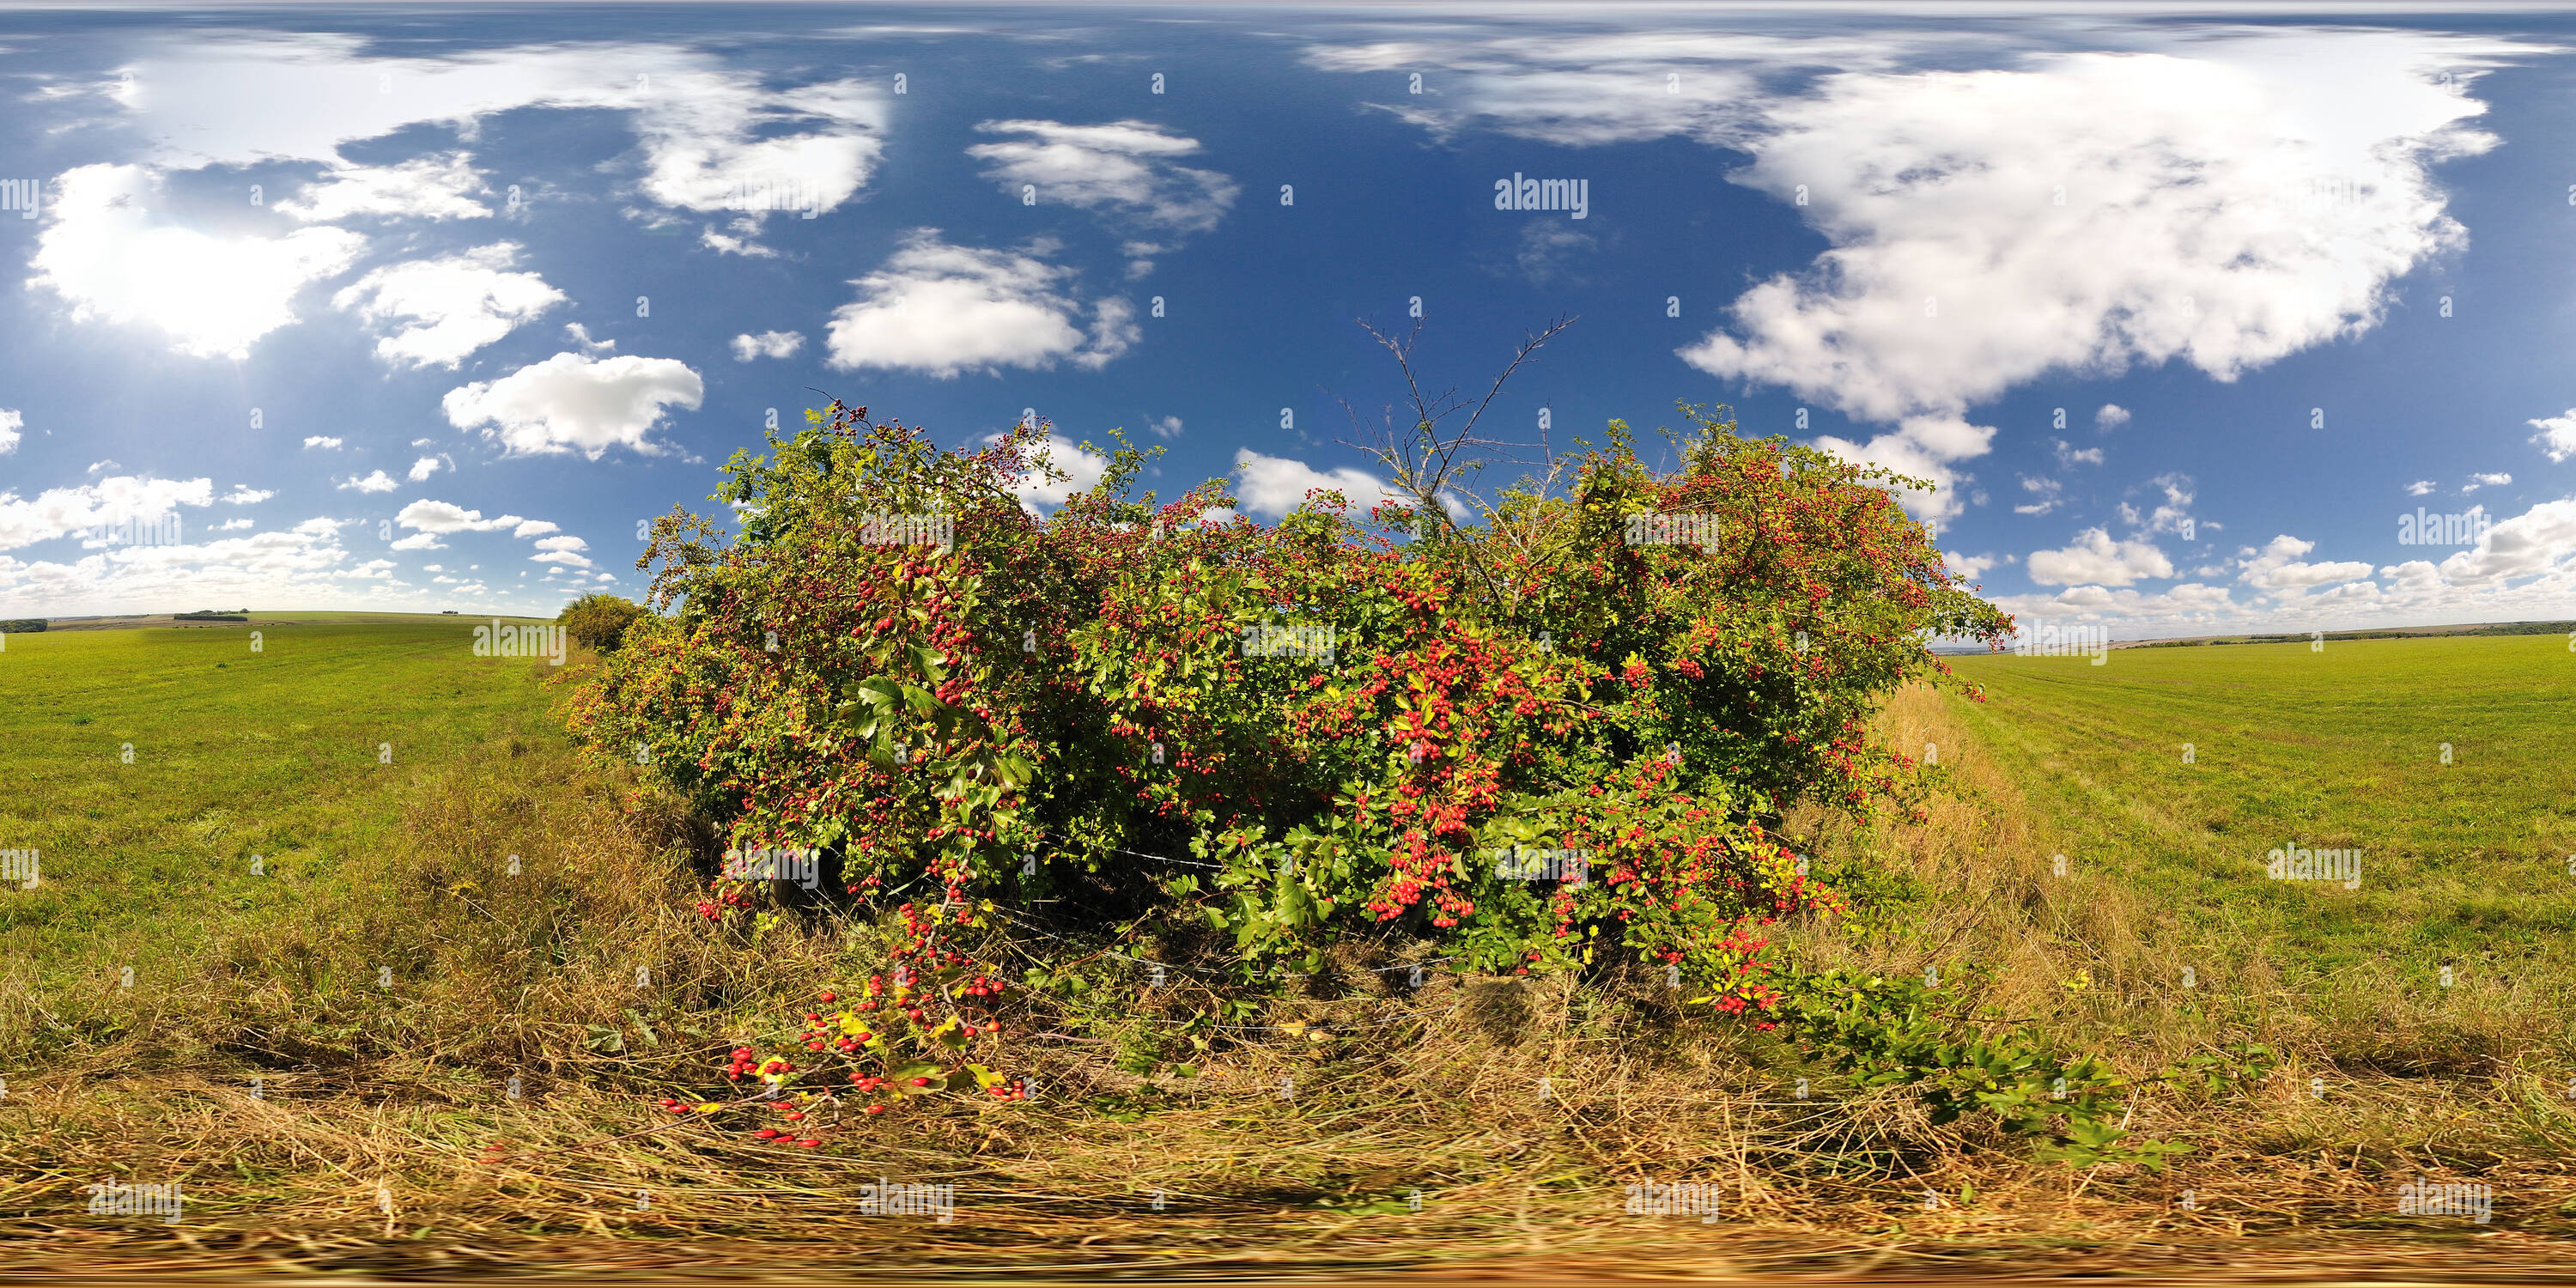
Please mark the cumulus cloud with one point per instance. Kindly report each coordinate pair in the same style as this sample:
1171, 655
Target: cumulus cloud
113, 259
323, 442
1967, 567
714, 138
2111, 416
377, 481
424, 467
298, 567
2477, 481
60, 512
440, 186
767, 344
1276, 486
440, 518
10, 423
2175, 513
2046, 495
1954, 275
942, 310
450, 306
570, 403
2068, 454
1126, 168
1925, 448
2278, 568
2097, 560
2557, 435
2421, 487
246, 495
2540, 540
580, 335
1168, 427
562, 551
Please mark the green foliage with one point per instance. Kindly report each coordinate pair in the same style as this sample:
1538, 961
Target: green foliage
22, 626
1079, 709
600, 621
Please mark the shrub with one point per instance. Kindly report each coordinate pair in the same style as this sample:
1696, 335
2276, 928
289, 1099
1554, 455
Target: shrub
22, 626
600, 621
1093, 710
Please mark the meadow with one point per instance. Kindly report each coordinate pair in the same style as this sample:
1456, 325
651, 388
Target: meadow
325, 1050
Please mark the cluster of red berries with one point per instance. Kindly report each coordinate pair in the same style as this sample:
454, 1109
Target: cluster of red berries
730, 895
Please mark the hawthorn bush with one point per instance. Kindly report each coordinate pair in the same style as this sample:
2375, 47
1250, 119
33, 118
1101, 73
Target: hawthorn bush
599, 620
1087, 708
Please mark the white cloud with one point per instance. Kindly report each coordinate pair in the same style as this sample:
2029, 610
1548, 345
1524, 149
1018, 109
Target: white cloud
943, 309
424, 467
60, 512
2109, 417
533, 528
1039, 493
2047, 495
2477, 481
1923, 447
2068, 454
246, 495
563, 543
438, 186
455, 305
10, 423
377, 481
1954, 276
1169, 427
2095, 559
1275, 486
442, 517
1126, 168
420, 541
572, 403
1968, 567
767, 344
325, 443
2540, 540
580, 335
2176, 510
714, 138
2420, 487
2557, 435
2277, 568
233, 525
104, 253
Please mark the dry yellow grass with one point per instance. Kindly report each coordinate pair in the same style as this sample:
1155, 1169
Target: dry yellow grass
1518, 1109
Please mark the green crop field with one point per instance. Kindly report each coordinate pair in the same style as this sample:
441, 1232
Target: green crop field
2445, 762
280, 753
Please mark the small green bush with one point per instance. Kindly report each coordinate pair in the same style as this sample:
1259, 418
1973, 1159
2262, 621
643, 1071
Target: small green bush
600, 621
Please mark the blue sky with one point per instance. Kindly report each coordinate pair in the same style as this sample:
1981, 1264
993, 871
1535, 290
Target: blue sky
426, 309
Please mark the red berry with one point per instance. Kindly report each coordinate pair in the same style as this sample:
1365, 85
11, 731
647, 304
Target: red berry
876, 1109
828, 997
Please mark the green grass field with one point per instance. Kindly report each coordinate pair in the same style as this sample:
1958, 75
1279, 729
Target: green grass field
279, 753
2162, 939
2341, 749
